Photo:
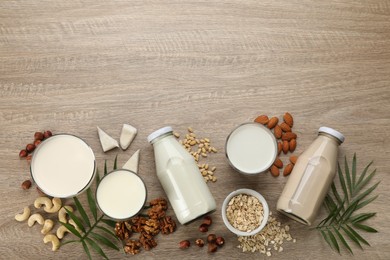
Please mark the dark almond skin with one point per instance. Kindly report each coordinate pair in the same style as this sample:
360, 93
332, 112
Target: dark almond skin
288, 136
293, 159
278, 163
263, 119
285, 147
280, 146
274, 171
285, 127
278, 132
272, 122
288, 119
293, 145
288, 169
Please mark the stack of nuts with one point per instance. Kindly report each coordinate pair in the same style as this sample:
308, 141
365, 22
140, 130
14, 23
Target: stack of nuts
287, 141
203, 148
27, 152
213, 240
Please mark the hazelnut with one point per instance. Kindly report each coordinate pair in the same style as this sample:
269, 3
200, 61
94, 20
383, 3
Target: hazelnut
207, 220
199, 242
37, 142
212, 248
38, 136
47, 134
29, 157
211, 238
22, 153
26, 185
203, 228
184, 244
220, 241
30, 148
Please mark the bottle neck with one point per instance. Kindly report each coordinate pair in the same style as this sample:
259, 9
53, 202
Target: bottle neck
331, 137
157, 139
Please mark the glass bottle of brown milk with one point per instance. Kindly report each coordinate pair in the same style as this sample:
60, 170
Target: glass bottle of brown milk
311, 177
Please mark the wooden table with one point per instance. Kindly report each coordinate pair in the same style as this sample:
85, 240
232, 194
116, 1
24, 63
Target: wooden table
70, 66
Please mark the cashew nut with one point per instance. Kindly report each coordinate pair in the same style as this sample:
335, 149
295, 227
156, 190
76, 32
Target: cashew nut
75, 225
24, 216
43, 201
54, 240
62, 213
35, 218
47, 226
57, 203
61, 232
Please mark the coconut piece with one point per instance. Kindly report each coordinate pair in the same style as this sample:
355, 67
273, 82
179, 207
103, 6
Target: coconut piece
132, 163
106, 141
128, 133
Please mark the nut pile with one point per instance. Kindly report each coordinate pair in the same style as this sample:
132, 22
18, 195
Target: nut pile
287, 140
199, 148
245, 212
27, 152
213, 241
49, 206
271, 237
148, 227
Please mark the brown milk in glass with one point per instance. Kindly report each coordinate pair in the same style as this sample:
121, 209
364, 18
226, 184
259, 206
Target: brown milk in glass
311, 177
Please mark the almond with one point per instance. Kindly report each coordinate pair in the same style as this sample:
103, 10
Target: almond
285, 147
288, 136
285, 127
274, 171
278, 163
272, 122
279, 147
278, 132
263, 119
288, 119
292, 144
293, 159
288, 169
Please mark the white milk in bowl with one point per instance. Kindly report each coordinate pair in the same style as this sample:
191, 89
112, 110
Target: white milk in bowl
121, 194
251, 148
63, 166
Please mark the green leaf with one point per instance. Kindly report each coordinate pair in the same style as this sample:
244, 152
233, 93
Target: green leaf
97, 177
82, 211
105, 167
71, 229
367, 192
348, 176
365, 228
348, 212
363, 173
96, 247
335, 193
357, 235
342, 183
108, 232
69, 242
352, 237
336, 213
353, 172
109, 222
327, 239
115, 162
365, 181
75, 219
86, 249
365, 202
361, 217
341, 238
104, 241
92, 203
334, 241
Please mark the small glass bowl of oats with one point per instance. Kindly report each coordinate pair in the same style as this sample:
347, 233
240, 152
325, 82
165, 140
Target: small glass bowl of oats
245, 212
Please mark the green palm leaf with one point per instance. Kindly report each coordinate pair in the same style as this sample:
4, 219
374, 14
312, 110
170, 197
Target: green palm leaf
109, 232
115, 162
96, 247
343, 216
81, 210
76, 220
92, 203
109, 222
104, 241
105, 167
86, 249
71, 229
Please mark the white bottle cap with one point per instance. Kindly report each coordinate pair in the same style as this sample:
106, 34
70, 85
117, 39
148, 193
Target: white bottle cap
159, 132
332, 132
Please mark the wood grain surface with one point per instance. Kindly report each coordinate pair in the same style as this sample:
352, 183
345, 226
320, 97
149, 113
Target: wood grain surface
70, 66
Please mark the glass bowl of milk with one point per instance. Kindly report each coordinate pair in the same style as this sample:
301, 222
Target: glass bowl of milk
63, 166
121, 194
251, 148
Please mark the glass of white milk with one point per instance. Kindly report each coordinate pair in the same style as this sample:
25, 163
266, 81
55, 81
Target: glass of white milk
121, 194
251, 148
63, 166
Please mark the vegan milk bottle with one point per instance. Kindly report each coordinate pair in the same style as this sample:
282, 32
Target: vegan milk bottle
311, 177
180, 177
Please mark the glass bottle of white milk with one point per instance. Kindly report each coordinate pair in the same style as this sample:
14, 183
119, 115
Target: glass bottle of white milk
311, 177
180, 177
